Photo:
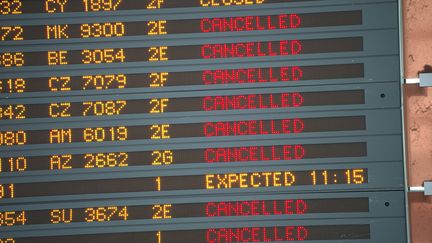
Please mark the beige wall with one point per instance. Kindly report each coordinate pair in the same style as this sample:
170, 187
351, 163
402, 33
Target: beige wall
418, 116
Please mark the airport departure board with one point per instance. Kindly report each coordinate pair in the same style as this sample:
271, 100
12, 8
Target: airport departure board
200, 121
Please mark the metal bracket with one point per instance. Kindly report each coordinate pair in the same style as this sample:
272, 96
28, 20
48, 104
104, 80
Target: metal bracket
426, 188
425, 80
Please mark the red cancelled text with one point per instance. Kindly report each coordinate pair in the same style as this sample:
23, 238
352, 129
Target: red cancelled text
257, 234
251, 49
252, 101
252, 75
252, 208
249, 23
260, 127
254, 153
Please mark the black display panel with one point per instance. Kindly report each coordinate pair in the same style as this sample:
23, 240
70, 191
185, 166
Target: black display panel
256, 180
200, 121
164, 27
121, 81
222, 235
246, 154
113, 108
172, 211
15, 7
165, 53
171, 131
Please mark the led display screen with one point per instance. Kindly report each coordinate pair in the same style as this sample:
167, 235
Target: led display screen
200, 121
242, 76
